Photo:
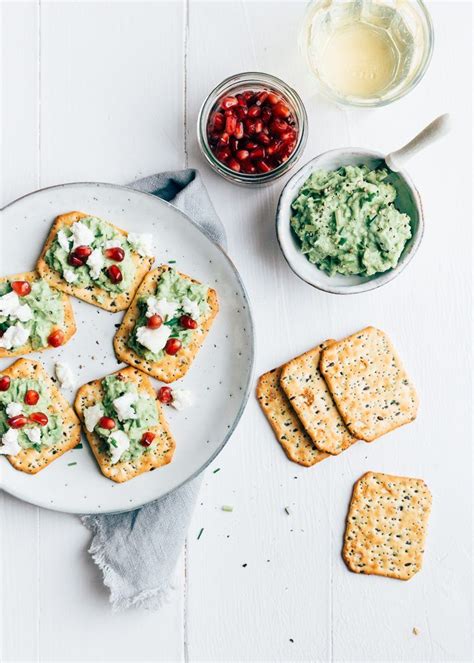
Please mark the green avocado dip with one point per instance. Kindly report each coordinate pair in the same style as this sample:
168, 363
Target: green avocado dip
175, 297
133, 413
99, 235
31, 435
346, 221
36, 313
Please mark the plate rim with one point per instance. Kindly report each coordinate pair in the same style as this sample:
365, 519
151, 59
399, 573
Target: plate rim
250, 370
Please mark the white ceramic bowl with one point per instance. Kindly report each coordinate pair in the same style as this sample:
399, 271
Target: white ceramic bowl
408, 201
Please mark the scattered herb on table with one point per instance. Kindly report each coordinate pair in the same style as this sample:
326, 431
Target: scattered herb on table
199, 535
287, 510
74, 463
226, 507
216, 470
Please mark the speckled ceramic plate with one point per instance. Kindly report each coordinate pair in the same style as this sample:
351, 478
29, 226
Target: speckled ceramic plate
220, 376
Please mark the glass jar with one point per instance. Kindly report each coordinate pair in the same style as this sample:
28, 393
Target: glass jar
367, 53
257, 82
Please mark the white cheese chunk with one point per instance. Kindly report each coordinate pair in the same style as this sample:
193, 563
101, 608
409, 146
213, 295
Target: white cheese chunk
81, 235
142, 243
92, 415
9, 303
14, 337
33, 434
70, 276
9, 443
113, 243
182, 398
123, 406
64, 375
95, 262
153, 339
191, 308
63, 240
122, 443
14, 409
23, 313
162, 307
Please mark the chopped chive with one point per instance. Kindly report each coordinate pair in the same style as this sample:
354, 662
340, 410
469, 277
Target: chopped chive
216, 470
113, 443
199, 535
171, 262
287, 511
74, 463
226, 507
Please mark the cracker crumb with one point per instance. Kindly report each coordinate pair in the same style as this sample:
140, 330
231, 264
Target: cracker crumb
415, 631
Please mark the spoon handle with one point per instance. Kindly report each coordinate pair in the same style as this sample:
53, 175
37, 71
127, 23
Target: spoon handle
436, 129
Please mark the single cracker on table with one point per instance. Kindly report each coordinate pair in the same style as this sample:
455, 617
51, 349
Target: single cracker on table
93, 294
289, 432
386, 526
159, 454
69, 325
311, 399
170, 367
368, 383
30, 460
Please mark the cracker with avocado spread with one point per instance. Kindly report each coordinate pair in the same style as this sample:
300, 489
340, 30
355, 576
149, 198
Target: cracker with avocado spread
168, 367
368, 383
54, 308
31, 460
289, 432
93, 293
161, 450
386, 526
311, 399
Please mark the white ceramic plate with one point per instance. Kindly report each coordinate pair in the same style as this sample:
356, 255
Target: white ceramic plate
220, 376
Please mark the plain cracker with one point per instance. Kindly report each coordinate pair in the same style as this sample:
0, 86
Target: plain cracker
159, 454
368, 383
311, 399
170, 367
92, 294
30, 460
69, 324
386, 526
289, 432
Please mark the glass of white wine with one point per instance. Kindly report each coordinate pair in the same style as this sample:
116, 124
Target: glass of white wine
367, 52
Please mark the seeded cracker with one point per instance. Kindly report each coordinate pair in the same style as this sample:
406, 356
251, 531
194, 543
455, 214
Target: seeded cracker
386, 526
311, 399
289, 432
368, 383
110, 301
30, 460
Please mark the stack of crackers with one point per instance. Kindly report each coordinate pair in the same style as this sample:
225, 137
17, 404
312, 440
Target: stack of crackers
323, 401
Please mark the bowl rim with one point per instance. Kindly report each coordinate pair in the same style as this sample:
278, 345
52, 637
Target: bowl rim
384, 277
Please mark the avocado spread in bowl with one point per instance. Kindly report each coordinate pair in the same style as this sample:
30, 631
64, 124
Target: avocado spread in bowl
346, 221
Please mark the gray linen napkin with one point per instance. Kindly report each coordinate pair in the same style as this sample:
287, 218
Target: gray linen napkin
137, 551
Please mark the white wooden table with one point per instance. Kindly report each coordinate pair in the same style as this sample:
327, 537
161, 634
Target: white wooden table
109, 91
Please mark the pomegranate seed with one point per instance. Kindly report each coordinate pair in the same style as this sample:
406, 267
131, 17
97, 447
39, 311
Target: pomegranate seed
279, 126
147, 439
223, 154
107, 423
248, 95
241, 101
249, 168
242, 155
263, 166
259, 153
261, 97
258, 126
249, 126
241, 112
250, 145
22, 288
173, 345
230, 124
229, 102
31, 397
39, 418
273, 147
234, 165
254, 111
266, 115
17, 422
217, 122
288, 136
234, 144
281, 110
239, 130
82, 252
273, 98
56, 338
224, 139
264, 139
5, 383
115, 275
187, 322
115, 253
165, 395
154, 321
74, 260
